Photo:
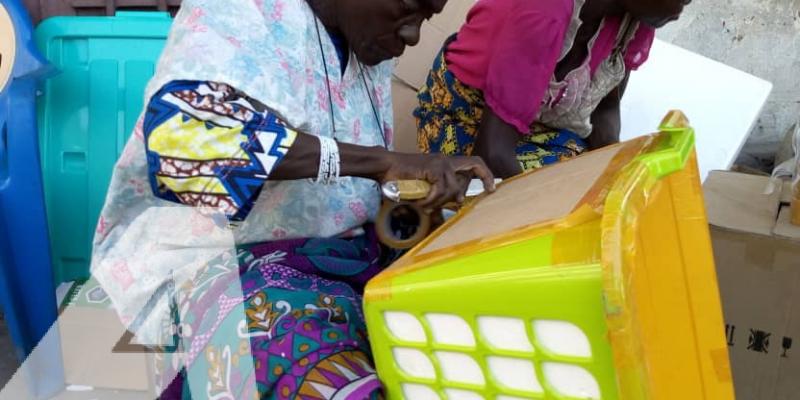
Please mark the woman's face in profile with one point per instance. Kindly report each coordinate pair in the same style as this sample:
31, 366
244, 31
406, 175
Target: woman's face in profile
656, 13
378, 30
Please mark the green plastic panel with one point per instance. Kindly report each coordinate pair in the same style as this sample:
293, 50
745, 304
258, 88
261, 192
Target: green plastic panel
570, 309
86, 114
519, 283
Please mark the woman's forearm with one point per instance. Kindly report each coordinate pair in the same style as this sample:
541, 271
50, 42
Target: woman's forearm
302, 160
606, 123
271, 151
606, 118
496, 144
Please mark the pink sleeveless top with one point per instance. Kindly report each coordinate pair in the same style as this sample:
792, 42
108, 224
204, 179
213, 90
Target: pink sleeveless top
509, 49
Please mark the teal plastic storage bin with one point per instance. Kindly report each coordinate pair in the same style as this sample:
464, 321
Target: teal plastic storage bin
86, 114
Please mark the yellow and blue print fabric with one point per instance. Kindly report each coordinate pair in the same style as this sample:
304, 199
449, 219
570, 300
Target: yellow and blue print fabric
209, 145
449, 117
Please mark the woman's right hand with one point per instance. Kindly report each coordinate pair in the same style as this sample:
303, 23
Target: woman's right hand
449, 176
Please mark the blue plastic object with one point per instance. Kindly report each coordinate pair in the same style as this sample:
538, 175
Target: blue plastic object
26, 281
86, 115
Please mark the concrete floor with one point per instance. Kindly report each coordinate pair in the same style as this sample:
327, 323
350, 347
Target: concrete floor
9, 365
8, 362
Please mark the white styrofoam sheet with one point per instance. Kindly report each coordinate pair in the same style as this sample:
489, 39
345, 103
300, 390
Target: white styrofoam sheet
722, 103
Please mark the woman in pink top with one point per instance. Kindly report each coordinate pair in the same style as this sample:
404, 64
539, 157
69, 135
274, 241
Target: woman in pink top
526, 83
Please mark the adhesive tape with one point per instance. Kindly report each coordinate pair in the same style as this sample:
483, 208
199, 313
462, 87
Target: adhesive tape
383, 226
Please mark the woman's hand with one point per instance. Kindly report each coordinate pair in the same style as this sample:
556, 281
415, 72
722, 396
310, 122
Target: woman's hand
497, 145
449, 176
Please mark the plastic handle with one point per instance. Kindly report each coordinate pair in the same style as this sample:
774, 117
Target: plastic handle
383, 226
676, 150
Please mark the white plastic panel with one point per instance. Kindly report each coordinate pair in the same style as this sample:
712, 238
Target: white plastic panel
562, 338
505, 333
722, 103
461, 368
458, 394
450, 330
571, 380
515, 373
419, 392
404, 326
414, 363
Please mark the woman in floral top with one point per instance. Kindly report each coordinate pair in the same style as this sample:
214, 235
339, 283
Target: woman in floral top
236, 235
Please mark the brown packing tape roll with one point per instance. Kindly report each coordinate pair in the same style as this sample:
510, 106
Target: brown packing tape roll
383, 226
413, 189
407, 191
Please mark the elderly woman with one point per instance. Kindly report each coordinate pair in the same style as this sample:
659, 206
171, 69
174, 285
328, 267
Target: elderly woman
528, 83
275, 114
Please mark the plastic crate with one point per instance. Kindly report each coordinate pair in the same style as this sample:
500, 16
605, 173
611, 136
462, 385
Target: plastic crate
86, 114
27, 292
590, 279
43, 9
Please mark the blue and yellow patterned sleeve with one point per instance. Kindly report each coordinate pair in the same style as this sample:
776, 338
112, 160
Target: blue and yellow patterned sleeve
209, 145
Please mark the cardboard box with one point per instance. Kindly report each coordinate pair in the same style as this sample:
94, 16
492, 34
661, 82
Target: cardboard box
90, 330
404, 100
757, 254
414, 65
